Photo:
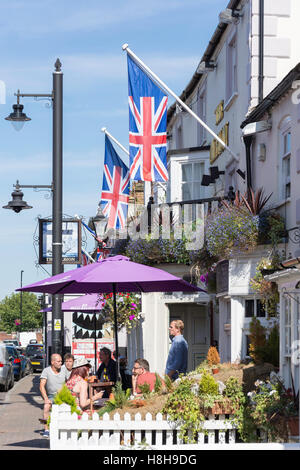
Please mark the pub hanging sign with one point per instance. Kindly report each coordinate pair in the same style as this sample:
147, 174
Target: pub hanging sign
216, 148
71, 241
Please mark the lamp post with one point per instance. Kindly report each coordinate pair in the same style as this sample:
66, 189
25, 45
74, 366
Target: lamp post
99, 225
21, 302
18, 117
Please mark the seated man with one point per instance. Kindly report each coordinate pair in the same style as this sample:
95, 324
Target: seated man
141, 375
107, 371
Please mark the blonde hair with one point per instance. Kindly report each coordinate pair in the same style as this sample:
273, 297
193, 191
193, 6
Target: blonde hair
179, 325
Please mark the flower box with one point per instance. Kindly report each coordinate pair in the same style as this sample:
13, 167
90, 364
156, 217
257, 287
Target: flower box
222, 408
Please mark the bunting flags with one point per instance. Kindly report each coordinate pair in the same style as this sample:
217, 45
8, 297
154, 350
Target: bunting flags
147, 126
115, 188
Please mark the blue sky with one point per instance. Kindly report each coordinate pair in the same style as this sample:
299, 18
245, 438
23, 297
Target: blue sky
170, 36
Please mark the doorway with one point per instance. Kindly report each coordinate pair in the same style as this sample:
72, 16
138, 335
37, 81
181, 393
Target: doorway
196, 330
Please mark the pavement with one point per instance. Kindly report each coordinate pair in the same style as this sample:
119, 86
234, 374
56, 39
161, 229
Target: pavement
20, 410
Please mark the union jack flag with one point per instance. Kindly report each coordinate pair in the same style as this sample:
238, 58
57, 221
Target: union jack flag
147, 127
115, 188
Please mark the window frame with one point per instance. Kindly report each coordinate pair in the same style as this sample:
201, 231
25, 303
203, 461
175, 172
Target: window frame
202, 112
192, 182
284, 185
231, 83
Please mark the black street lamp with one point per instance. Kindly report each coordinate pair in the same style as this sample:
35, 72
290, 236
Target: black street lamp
99, 225
18, 117
21, 302
17, 204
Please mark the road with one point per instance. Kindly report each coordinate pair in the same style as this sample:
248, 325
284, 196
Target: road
20, 410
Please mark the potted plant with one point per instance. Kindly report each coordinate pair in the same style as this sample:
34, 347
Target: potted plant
215, 369
213, 359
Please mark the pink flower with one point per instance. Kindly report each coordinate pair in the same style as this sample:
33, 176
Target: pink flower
131, 317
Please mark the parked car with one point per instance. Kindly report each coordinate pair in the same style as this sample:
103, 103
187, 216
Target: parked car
6, 370
15, 342
15, 360
37, 356
25, 362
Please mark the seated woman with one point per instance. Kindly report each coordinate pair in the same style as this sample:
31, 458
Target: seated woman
78, 386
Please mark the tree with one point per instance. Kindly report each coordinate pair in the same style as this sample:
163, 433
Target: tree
10, 311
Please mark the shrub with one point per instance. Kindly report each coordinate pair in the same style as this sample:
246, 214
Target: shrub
64, 395
182, 407
119, 400
264, 347
213, 357
208, 385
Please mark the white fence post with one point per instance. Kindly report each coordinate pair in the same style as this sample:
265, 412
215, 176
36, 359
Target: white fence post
68, 431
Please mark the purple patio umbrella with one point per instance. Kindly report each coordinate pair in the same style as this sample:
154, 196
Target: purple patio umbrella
90, 303
112, 275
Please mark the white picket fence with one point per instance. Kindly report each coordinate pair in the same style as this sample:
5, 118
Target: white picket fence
67, 431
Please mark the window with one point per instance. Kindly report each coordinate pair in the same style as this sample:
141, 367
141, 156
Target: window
286, 165
231, 68
179, 137
287, 325
201, 105
254, 308
285, 160
191, 177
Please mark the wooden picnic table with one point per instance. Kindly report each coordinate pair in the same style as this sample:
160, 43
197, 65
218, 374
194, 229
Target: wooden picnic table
98, 386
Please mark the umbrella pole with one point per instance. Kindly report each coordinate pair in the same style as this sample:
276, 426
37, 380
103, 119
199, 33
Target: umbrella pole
116, 331
95, 343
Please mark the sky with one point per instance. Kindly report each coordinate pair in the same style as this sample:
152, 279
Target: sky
170, 36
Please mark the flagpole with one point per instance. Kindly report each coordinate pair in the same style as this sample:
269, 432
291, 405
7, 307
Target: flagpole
179, 101
115, 140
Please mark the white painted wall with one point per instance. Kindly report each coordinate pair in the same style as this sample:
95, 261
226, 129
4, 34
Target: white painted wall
267, 174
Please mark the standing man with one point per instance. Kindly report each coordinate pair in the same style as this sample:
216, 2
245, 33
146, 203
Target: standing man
52, 379
178, 354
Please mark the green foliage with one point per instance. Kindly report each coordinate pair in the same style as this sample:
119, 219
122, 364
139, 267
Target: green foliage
208, 385
169, 384
182, 407
267, 290
234, 391
64, 395
119, 400
128, 309
158, 384
208, 390
145, 390
152, 251
264, 347
231, 230
10, 311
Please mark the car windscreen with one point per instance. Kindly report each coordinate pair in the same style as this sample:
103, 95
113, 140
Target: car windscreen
31, 350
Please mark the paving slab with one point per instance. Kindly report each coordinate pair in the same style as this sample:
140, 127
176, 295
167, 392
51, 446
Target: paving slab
20, 410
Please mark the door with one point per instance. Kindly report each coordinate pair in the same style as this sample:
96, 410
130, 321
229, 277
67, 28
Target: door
196, 330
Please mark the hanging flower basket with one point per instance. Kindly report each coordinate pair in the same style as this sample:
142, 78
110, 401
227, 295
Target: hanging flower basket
128, 309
